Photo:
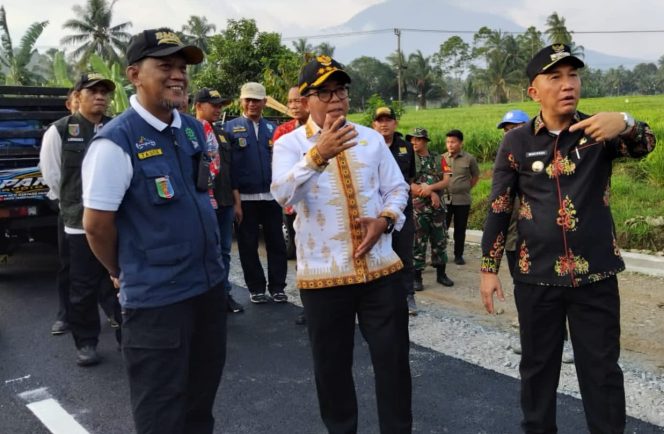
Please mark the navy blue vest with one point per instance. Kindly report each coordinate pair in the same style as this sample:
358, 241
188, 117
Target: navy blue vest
168, 238
251, 158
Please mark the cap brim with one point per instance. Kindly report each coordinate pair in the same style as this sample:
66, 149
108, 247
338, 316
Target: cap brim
192, 54
383, 115
252, 96
571, 59
410, 136
105, 81
222, 101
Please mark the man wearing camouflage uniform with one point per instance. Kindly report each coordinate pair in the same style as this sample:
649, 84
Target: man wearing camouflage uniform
429, 209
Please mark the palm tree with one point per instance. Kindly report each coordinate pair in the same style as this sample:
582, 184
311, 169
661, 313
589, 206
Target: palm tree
93, 32
325, 49
421, 75
196, 31
557, 32
16, 61
303, 49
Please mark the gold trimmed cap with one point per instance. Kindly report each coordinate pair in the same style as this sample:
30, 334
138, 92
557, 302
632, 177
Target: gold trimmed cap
315, 73
161, 42
549, 56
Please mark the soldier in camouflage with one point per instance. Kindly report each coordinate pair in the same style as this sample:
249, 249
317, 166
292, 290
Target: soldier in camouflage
431, 177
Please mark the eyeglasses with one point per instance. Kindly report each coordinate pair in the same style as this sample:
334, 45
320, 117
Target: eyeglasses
325, 95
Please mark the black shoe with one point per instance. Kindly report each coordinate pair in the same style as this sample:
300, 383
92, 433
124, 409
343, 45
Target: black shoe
441, 277
59, 328
300, 320
417, 281
113, 323
87, 356
233, 306
459, 260
259, 298
280, 297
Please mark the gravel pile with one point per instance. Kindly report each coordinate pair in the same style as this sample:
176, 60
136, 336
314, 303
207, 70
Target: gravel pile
453, 335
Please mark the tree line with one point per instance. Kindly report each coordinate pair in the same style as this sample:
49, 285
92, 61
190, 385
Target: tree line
488, 69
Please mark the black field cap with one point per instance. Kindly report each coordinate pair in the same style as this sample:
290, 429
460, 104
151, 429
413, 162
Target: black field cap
212, 96
318, 71
549, 56
161, 42
418, 132
91, 79
384, 111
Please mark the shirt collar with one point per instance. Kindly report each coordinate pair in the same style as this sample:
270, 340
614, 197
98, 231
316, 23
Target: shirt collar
538, 124
311, 128
151, 119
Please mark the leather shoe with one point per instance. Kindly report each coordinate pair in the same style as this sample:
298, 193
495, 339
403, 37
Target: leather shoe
59, 328
459, 260
87, 356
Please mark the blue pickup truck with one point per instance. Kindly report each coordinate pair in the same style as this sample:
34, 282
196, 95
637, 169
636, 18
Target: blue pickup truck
26, 214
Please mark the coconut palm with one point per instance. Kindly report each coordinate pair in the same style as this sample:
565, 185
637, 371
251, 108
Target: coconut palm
557, 32
303, 49
196, 31
16, 60
93, 32
325, 49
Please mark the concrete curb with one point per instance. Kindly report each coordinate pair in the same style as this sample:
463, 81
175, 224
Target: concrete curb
634, 262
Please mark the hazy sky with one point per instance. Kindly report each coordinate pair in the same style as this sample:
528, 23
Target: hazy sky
307, 17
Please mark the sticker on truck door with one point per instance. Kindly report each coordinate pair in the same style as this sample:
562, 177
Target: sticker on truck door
18, 184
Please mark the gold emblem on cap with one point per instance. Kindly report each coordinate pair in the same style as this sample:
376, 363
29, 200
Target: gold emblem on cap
324, 60
95, 76
167, 38
537, 166
558, 47
215, 94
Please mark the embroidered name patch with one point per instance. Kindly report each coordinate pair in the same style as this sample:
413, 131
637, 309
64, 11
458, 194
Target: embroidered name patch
150, 153
535, 154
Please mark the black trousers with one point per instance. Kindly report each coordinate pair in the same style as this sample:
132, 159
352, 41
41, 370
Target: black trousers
62, 278
267, 214
89, 284
402, 244
175, 356
459, 214
382, 313
593, 313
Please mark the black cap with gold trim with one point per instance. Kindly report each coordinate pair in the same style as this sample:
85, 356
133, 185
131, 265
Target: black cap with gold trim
549, 56
91, 79
318, 71
387, 112
161, 42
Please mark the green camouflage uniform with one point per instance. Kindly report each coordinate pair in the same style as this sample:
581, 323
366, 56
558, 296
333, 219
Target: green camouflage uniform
429, 221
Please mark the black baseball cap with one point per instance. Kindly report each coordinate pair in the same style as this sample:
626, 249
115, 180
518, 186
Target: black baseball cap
210, 95
91, 79
161, 42
384, 111
318, 71
549, 56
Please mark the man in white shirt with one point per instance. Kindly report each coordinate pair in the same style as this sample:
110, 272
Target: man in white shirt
63, 147
349, 195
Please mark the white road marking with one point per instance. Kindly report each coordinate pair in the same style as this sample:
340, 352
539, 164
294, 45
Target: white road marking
51, 413
55, 418
15, 380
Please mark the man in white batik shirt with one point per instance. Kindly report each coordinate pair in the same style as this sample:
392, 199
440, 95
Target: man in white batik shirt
349, 195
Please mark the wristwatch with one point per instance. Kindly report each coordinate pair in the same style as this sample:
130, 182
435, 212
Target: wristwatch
629, 122
390, 224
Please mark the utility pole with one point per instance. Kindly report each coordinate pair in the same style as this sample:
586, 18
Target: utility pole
397, 32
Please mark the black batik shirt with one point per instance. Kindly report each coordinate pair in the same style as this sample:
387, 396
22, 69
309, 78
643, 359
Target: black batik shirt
566, 234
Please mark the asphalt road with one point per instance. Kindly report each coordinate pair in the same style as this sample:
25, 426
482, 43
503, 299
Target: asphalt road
267, 385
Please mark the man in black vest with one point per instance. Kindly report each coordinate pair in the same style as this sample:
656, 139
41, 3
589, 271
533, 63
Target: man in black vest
63, 148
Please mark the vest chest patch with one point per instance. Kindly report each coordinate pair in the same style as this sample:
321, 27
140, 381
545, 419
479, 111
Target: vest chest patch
74, 129
150, 153
164, 187
144, 143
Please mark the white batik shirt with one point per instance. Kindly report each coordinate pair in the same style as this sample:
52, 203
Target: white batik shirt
363, 181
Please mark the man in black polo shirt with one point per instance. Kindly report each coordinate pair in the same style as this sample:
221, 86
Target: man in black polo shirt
385, 122
567, 258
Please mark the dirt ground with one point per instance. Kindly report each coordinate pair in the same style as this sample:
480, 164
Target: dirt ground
642, 307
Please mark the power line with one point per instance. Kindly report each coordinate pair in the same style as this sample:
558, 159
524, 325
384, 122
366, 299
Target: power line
390, 30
